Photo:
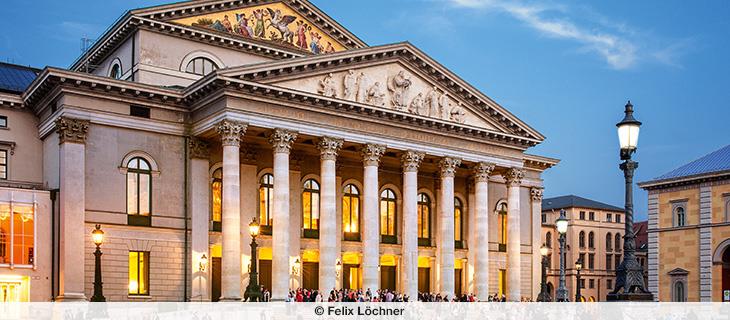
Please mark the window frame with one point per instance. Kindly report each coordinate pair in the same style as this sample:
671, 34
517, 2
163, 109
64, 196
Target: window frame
32, 261
609, 242
311, 232
266, 225
146, 261
389, 198
679, 213
137, 219
192, 62
617, 242
502, 218
591, 240
582, 239
549, 239
6, 165
424, 202
352, 236
216, 225
459, 244
683, 291
3, 118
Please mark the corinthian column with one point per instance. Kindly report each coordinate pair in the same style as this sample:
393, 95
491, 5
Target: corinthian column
513, 178
481, 194
371, 154
230, 133
411, 160
446, 223
536, 219
281, 141
328, 148
72, 154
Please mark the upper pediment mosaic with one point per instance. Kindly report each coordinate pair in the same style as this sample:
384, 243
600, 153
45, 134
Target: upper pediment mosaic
273, 22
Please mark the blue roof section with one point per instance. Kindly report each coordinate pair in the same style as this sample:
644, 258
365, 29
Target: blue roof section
717, 161
572, 201
15, 78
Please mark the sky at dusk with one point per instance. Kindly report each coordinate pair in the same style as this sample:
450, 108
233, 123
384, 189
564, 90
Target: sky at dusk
564, 67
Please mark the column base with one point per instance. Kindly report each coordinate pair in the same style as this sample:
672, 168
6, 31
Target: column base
630, 297
72, 297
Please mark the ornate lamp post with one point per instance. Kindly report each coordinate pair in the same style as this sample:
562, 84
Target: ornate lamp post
578, 268
98, 237
630, 274
562, 225
253, 291
544, 295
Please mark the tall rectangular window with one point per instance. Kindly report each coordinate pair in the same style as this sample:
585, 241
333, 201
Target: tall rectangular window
618, 218
609, 265
591, 216
502, 282
609, 217
591, 261
3, 121
139, 273
3, 164
17, 229
591, 283
609, 284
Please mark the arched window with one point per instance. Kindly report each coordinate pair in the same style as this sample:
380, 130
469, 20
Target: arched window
502, 213
201, 66
139, 190
617, 243
310, 209
582, 239
116, 71
679, 292
388, 216
591, 240
216, 191
609, 241
266, 201
351, 213
549, 239
458, 223
424, 220
679, 217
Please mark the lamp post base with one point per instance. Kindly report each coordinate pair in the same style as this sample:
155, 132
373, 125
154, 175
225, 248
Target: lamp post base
639, 296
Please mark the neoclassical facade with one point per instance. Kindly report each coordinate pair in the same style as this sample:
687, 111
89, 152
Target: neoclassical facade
367, 167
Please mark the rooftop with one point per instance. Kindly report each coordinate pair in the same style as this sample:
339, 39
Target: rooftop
16, 78
572, 201
714, 162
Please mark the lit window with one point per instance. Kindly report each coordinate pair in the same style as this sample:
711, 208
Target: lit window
139, 268
201, 66
17, 229
216, 189
502, 213
266, 200
139, 189
502, 283
458, 209
3, 164
388, 216
310, 207
351, 213
424, 220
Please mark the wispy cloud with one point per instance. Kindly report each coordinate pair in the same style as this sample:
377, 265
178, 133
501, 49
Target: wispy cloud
617, 43
73, 31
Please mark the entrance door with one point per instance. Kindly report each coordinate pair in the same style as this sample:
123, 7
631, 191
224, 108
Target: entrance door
351, 276
387, 277
265, 273
424, 280
310, 275
457, 282
215, 291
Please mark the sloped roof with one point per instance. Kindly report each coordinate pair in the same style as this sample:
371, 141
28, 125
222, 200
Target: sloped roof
15, 78
713, 162
572, 201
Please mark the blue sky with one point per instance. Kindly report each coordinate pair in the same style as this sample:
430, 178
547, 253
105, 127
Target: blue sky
566, 68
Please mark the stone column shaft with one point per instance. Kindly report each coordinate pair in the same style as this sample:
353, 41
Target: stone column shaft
327, 214
370, 220
72, 153
536, 216
281, 141
231, 132
410, 160
199, 197
513, 179
481, 193
446, 223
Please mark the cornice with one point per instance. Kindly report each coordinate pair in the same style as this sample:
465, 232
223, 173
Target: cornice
10, 100
685, 181
540, 163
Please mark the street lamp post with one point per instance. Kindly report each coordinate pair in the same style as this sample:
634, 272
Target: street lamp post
562, 226
98, 237
578, 268
253, 291
544, 295
630, 274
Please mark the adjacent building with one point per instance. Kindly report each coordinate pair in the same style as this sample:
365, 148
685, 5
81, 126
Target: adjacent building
367, 167
594, 236
689, 230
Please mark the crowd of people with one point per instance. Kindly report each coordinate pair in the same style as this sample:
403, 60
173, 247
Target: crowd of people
385, 295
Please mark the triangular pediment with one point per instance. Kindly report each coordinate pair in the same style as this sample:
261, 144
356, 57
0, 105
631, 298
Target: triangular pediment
293, 24
395, 77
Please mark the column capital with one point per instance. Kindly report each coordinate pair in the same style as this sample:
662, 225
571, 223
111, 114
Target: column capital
448, 166
281, 140
514, 176
371, 154
231, 132
411, 160
198, 148
72, 130
536, 194
482, 170
329, 147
